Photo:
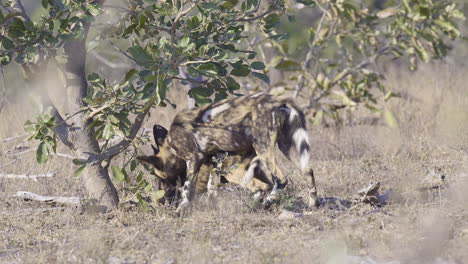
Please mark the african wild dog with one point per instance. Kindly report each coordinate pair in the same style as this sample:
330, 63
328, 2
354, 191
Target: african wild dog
256, 123
172, 171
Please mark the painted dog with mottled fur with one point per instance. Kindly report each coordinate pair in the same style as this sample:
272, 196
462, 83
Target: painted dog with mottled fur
257, 123
173, 172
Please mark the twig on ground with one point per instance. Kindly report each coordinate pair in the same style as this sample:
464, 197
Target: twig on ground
26, 176
3, 96
14, 137
47, 199
26, 150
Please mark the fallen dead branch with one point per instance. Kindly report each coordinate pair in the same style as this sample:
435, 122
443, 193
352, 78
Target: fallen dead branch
47, 199
24, 150
26, 176
13, 137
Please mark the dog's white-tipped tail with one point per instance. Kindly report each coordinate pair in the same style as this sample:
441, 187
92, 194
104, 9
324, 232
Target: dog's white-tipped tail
301, 139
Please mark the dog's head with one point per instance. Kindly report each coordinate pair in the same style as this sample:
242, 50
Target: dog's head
166, 164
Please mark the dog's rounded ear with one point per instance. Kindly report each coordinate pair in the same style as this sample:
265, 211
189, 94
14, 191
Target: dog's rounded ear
160, 134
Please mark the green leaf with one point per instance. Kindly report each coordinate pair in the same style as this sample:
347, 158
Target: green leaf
79, 170
447, 26
208, 69
317, 118
139, 177
148, 187
131, 74
372, 108
141, 56
258, 65
203, 91
457, 14
108, 131
184, 42
45, 3
93, 10
421, 51
288, 65
79, 161
389, 95
344, 98
157, 195
208, 6
42, 153
390, 119
406, 5
270, 22
117, 174
242, 70
252, 55
141, 21
133, 165
201, 95
7, 43
262, 77
308, 3
232, 84
220, 95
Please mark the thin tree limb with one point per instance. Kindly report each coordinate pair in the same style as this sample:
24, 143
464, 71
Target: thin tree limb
122, 145
194, 62
351, 70
23, 11
256, 17
178, 17
189, 80
310, 52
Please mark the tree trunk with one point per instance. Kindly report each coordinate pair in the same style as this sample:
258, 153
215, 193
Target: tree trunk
95, 177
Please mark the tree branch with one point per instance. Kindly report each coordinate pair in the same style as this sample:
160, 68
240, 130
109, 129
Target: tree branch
310, 52
122, 145
21, 8
178, 17
339, 77
189, 80
194, 62
256, 17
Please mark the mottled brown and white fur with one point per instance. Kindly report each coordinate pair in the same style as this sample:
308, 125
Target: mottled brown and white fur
244, 124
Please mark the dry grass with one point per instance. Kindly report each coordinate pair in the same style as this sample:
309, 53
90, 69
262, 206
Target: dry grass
415, 227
